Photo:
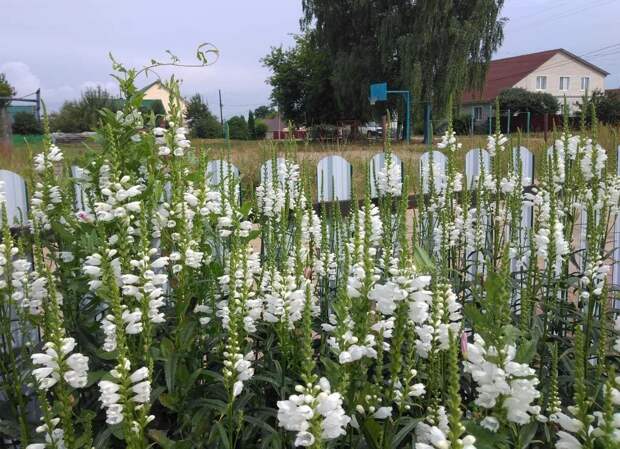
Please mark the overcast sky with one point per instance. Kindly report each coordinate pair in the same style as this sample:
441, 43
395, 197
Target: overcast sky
62, 45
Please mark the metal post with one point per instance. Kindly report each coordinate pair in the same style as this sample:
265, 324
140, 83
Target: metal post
221, 115
428, 138
507, 125
490, 119
527, 127
408, 116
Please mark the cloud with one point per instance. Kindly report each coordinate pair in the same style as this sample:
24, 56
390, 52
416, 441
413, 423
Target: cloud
20, 77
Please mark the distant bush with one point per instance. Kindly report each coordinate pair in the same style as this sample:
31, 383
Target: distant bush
25, 123
238, 128
83, 114
203, 123
517, 99
260, 129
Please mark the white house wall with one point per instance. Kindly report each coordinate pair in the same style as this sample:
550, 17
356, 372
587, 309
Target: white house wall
562, 65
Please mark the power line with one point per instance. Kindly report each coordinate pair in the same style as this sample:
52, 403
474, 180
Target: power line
541, 20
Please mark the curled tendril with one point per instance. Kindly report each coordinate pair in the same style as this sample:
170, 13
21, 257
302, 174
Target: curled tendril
206, 54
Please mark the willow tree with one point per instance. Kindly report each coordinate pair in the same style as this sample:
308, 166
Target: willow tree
435, 48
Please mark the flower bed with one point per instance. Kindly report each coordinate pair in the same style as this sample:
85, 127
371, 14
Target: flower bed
170, 313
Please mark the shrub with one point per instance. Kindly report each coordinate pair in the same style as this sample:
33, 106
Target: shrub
26, 123
517, 99
83, 114
260, 129
238, 128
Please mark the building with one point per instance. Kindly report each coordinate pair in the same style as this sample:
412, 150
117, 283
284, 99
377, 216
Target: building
558, 72
157, 91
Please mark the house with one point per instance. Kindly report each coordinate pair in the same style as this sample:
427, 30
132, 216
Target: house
158, 91
558, 72
276, 128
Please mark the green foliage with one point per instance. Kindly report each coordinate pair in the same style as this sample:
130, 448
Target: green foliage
6, 90
26, 123
607, 105
433, 48
264, 112
238, 128
260, 129
84, 114
518, 99
203, 123
301, 81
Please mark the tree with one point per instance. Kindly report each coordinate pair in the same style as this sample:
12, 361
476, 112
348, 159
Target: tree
237, 128
434, 48
517, 99
264, 112
301, 81
6, 90
260, 129
203, 123
606, 105
251, 126
25, 123
84, 114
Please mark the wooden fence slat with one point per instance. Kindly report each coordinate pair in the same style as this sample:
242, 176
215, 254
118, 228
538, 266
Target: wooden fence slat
440, 163
15, 193
476, 160
334, 178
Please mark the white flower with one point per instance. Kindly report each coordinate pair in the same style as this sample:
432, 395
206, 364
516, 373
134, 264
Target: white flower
51, 361
299, 411
490, 423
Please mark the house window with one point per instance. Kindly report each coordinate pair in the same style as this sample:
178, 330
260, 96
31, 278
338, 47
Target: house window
477, 113
541, 82
564, 81
585, 83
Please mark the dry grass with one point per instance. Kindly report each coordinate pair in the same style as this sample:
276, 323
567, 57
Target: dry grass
249, 155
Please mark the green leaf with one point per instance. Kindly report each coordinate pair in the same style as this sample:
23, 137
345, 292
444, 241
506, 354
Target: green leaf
222, 434
406, 430
421, 260
527, 433
372, 432
485, 439
161, 438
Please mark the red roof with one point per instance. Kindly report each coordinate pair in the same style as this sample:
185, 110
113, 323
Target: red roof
505, 73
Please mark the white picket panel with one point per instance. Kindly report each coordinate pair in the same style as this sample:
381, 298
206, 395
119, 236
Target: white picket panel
526, 158
15, 193
377, 163
79, 176
476, 160
440, 164
218, 170
334, 177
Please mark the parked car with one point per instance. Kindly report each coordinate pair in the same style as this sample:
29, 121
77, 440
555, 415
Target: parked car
371, 129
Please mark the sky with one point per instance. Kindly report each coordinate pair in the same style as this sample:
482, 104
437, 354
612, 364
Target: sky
62, 46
